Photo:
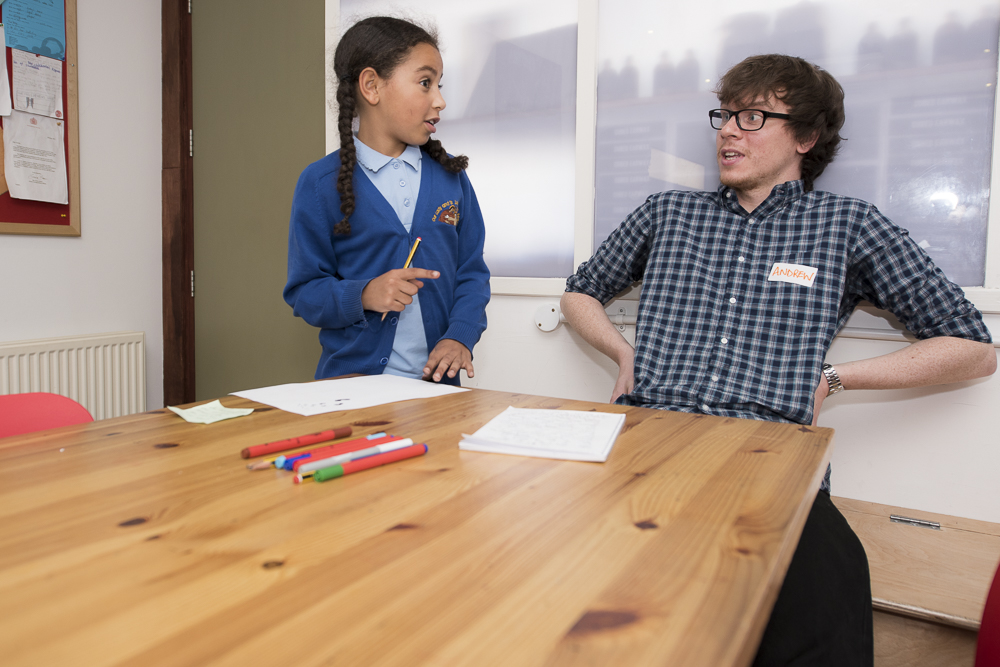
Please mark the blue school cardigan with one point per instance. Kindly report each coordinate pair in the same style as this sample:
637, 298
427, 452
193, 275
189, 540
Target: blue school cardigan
326, 272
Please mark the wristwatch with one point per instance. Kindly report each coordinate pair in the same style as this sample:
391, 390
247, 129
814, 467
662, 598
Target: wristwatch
832, 379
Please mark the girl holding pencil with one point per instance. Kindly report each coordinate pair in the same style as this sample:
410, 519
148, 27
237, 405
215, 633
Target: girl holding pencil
390, 198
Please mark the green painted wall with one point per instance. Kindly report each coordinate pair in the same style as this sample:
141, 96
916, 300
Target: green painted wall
258, 121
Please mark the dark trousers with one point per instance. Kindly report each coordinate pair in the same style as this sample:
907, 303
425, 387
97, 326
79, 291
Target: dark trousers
823, 615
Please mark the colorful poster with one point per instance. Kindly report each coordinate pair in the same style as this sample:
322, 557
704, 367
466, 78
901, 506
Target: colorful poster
38, 26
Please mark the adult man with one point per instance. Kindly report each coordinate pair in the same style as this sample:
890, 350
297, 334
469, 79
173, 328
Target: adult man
743, 291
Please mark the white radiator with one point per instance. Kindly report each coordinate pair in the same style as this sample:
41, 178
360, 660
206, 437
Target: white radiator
106, 373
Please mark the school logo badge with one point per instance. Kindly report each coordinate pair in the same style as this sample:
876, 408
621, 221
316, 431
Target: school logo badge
447, 213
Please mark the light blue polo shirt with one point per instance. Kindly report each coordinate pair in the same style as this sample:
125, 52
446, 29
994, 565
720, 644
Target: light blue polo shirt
398, 179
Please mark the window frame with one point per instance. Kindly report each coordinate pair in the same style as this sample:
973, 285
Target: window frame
985, 298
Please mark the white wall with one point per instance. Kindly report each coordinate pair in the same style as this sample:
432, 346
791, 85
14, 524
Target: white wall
932, 448
109, 279
935, 449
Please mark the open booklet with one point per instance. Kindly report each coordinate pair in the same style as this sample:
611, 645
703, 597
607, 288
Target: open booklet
552, 434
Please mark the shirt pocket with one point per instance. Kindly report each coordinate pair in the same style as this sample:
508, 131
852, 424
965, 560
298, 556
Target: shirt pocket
794, 292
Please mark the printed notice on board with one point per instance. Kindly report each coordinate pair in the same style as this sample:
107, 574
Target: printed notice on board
38, 26
33, 157
4, 92
37, 83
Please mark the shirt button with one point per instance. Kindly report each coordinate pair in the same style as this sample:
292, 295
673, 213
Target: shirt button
750, 221
704, 407
395, 165
402, 184
724, 341
741, 259
715, 378
393, 320
732, 299
383, 361
406, 202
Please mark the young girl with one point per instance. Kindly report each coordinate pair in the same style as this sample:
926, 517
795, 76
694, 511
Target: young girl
357, 213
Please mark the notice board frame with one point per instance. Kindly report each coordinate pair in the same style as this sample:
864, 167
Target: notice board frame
24, 219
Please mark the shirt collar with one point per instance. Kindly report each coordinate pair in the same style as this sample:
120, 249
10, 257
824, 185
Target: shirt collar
779, 194
372, 160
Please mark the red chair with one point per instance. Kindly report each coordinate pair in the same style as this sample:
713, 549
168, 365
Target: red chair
988, 645
37, 411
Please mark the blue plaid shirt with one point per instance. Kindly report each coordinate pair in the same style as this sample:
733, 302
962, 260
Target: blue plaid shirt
715, 336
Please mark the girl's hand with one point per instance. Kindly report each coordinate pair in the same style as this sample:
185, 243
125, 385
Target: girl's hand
448, 356
394, 289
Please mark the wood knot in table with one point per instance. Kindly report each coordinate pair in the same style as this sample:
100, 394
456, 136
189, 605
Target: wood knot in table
133, 522
404, 526
647, 525
370, 423
166, 445
108, 435
272, 564
595, 621
806, 429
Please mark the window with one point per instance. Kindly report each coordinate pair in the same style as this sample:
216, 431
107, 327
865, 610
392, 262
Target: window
527, 84
510, 86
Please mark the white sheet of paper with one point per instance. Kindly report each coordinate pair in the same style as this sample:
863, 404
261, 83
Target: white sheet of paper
37, 83
33, 157
4, 91
316, 398
209, 413
551, 434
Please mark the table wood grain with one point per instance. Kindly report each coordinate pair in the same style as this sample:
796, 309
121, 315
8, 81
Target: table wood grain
144, 540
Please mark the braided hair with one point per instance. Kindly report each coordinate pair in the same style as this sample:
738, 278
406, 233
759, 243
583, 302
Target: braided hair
382, 43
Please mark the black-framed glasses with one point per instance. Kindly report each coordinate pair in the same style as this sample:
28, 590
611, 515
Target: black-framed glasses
748, 120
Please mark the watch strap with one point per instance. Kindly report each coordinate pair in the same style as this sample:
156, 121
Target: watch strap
832, 379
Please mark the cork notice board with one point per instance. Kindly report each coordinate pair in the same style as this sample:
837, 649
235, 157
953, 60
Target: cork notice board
25, 216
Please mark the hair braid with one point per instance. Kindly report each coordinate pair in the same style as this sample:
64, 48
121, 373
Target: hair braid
453, 165
348, 156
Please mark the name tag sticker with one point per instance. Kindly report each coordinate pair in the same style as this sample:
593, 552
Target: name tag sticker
799, 274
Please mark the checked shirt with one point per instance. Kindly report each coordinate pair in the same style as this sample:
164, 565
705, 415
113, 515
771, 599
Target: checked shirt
715, 336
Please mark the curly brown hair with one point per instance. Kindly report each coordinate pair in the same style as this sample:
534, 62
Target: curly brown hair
382, 43
814, 98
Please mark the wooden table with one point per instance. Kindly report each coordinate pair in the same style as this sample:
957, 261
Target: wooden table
144, 540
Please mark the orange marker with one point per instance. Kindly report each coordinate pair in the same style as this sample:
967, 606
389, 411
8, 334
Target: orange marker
286, 462
292, 443
364, 464
340, 448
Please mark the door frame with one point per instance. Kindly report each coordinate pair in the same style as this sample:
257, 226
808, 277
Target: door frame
178, 205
